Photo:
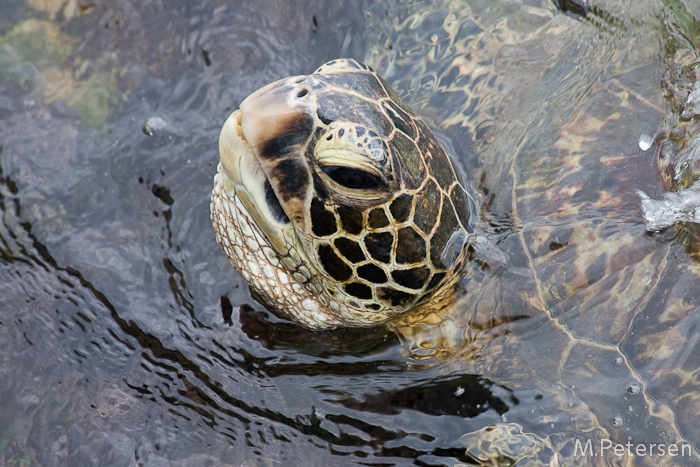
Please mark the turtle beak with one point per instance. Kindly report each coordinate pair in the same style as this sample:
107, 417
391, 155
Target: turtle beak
277, 122
235, 152
261, 147
263, 118
244, 180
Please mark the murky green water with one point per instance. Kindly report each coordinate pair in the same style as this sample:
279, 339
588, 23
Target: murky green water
126, 338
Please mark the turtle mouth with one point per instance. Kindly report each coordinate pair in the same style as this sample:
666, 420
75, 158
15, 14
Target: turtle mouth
242, 177
237, 155
242, 167
260, 148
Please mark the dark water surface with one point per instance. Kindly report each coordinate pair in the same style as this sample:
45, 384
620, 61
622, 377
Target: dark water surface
126, 338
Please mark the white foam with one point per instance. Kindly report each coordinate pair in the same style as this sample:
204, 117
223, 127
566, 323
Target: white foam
681, 206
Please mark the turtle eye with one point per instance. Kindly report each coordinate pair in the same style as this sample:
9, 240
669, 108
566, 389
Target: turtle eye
350, 177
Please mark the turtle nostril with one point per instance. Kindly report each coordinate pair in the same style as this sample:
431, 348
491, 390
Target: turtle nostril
302, 93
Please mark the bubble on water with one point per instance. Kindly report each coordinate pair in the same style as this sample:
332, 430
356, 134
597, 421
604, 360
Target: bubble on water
421, 353
618, 360
617, 421
318, 414
634, 388
645, 141
154, 124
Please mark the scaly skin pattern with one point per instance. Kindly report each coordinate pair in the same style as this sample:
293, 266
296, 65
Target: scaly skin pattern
277, 279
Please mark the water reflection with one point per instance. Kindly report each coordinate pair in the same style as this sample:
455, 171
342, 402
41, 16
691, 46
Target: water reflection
126, 338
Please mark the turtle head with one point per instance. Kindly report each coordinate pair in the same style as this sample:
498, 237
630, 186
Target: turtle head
335, 201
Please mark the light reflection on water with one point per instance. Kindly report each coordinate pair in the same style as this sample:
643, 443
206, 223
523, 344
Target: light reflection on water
125, 335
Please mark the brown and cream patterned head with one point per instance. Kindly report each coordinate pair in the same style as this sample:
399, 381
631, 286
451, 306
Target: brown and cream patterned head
335, 201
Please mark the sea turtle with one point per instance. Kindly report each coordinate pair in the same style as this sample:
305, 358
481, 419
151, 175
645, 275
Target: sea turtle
534, 268
336, 202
